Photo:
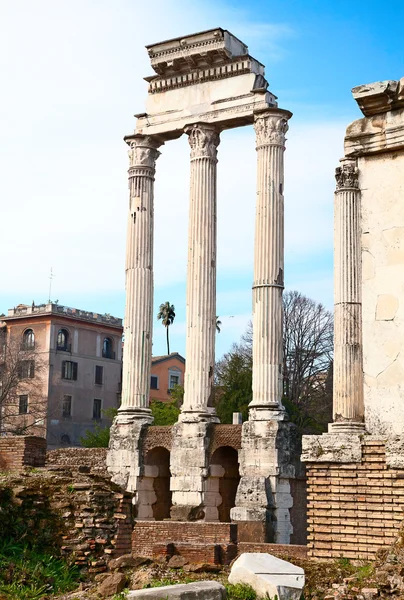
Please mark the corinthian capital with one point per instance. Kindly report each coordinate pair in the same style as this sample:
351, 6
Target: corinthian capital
270, 129
203, 140
143, 151
347, 175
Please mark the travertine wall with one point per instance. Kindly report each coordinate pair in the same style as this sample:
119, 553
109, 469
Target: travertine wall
382, 185
354, 508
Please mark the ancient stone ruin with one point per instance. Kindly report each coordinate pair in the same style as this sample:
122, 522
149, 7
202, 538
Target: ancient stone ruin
250, 477
203, 85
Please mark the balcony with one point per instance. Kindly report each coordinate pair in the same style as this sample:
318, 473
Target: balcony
108, 354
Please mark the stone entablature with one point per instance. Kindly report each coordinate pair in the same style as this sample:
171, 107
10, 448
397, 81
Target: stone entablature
207, 77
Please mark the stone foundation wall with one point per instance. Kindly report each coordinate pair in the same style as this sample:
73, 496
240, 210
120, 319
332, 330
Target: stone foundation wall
17, 452
93, 458
354, 508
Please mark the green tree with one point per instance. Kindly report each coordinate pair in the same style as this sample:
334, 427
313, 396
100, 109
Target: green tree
218, 324
233, 383
99, 436
167, 315
164, 413
177, 394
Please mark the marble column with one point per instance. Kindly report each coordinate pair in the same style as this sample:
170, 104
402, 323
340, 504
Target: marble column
134, 414
269, 451
201, 276
348, 402
189, 464
270, 128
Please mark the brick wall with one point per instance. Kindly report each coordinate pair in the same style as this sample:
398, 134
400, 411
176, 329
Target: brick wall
281, 550
17, 452
93, 458
354, 509
225, 435
196, 541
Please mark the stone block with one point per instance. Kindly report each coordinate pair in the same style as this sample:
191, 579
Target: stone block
332, 448
395, 452
200, 590
268, 576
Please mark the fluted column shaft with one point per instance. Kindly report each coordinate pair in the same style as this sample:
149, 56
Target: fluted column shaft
270, 128
348, 403
201, 276
139, 278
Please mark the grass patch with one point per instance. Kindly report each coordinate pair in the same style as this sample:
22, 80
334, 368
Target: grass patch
30, 574
240, 591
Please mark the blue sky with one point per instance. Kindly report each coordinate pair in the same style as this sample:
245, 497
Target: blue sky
72, 78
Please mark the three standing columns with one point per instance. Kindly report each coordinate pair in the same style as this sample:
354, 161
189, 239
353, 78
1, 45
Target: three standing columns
348, 402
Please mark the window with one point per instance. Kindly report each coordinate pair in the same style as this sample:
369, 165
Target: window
62, 342
99, 372
97, 409
23, 404
154, 382
69, 370
107, 346
174, 380
26, 369
67, 406
28, 340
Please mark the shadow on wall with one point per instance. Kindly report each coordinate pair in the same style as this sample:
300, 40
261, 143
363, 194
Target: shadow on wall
154, 488
222, 484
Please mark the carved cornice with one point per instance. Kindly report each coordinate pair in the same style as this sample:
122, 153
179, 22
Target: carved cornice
231, 69
143, 152
347, 175
203, 140
270, 129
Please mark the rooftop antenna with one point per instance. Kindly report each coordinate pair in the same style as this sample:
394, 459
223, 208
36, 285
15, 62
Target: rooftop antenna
51, 276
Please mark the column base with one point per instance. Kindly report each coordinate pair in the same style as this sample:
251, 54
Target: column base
268, 460
267, 412
125, 448
194, 416
189, 470
131, 414
347, 427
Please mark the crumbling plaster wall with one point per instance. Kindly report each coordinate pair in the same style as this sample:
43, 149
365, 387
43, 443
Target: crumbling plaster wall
382, 186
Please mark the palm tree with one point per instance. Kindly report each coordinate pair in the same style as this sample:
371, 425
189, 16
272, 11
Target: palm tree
167, 315
218, 323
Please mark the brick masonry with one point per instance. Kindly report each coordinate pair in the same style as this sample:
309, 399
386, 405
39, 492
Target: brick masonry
196, 541
17, 452
93, 458
354, 509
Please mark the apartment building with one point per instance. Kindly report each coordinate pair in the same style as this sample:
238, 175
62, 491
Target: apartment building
73, 363
166, 372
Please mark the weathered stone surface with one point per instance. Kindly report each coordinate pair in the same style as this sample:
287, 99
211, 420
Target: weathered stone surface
268, 576
201, 590
177, 562
127, 560
332, 447
114, 584
395, 452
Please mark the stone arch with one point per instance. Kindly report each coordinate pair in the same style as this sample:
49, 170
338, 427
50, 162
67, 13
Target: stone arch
154, 495
222, 483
